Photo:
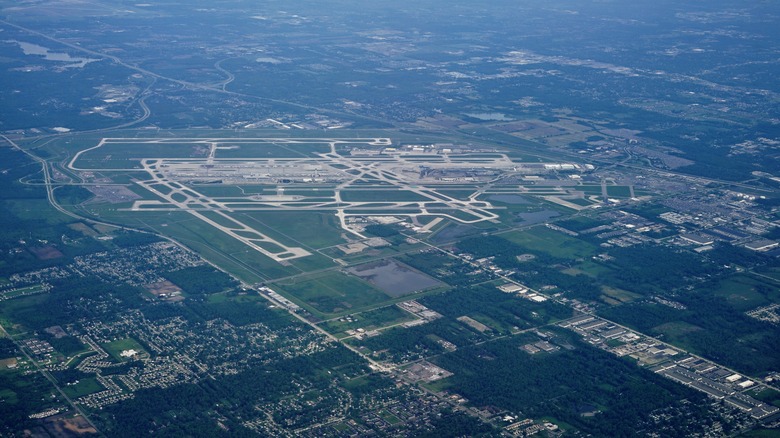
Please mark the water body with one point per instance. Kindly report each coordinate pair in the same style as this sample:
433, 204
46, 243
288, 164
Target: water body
493, 117
510, 199
536, 217
36, 50
393, 278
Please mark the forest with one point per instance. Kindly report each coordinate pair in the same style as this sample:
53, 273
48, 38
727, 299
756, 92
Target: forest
584, 387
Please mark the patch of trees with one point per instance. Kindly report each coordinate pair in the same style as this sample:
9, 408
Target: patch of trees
457, 424
727, 336
158, 311
504, 252
773, 234
769, 202
365, 385
730, 336
542, 270
710, 159
17, 165
241, 313
122, 368
726, 254
649, 269
401, 344
561, 384
72, 299
30, 394
199, 280
127, 239
642, 316
578, 286
70, 375
67, 345
7, 348
194, 409
504, 308
176, 411
579, 223
72, 194
381, 230
444, 268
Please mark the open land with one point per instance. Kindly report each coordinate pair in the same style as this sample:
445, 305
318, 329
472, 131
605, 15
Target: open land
478, 220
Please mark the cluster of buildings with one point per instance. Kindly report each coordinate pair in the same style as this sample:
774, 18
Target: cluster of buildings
137, 265
718, 383
278, 299
39, 348
721, 215
530, 427
522, 291
179, 352
423, 313
770, 313
675, 364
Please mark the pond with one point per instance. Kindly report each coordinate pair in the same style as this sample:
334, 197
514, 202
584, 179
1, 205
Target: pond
394, 278
34, 49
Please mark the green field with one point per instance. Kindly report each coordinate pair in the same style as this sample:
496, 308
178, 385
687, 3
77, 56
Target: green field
551, 242
127, 155
115, 348
261, 149
29, 290
369, 320
8, 396
17, 314
745, 292
676, 331
85, 386
333, 292
619, 295
232, 255
619, 191
312, 230
375, 195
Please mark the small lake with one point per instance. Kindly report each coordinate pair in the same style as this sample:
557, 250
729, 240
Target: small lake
36, 50
493, 117
393, 278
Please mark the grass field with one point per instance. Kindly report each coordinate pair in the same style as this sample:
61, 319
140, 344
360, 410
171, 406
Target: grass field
552, 242
230, 254
369, 320
127, 155
9, 397
85, 386
677, 331
372, 195
745, 292
312, 230
34, 210
620, 295
14, 314
333, 292
29, 290
389, 417
271, 150
619, 191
